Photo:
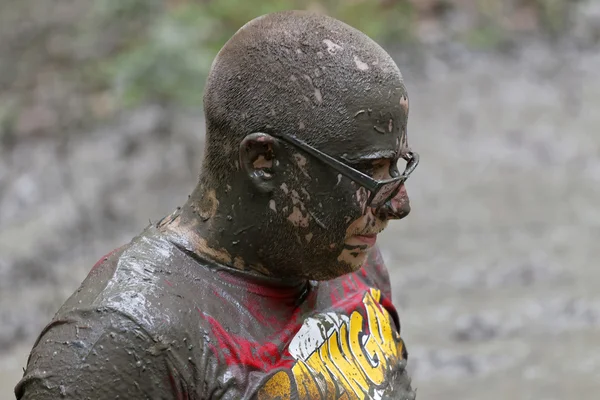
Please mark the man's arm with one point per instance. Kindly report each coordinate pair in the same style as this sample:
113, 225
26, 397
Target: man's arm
98, 354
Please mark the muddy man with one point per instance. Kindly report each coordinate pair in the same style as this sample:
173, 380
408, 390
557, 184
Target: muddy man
267, 283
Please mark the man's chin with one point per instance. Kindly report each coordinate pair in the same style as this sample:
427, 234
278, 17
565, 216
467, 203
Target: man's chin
352, 260
345, 265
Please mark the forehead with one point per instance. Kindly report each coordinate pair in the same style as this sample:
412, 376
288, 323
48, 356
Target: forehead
377, 126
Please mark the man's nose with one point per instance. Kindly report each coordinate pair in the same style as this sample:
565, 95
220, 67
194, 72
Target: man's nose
397, 207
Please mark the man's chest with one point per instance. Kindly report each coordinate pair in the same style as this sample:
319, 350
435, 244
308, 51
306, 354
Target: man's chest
348, 350
342, 355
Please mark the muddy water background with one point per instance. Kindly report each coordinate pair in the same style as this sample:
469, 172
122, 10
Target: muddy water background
494, 272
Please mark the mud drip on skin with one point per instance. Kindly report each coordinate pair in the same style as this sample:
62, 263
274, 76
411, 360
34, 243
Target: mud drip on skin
294, 210
187, 229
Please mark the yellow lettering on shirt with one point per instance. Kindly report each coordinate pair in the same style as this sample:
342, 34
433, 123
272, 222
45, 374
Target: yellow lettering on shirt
351, 364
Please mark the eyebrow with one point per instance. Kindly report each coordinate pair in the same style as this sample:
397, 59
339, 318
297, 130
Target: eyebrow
370, 156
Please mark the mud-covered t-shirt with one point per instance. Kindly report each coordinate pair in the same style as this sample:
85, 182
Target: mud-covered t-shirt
152, 321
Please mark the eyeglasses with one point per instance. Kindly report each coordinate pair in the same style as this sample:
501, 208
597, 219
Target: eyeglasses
381, 191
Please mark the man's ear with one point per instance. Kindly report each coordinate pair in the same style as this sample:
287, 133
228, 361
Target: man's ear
257, 158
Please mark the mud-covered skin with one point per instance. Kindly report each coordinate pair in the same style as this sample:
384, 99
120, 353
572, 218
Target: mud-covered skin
262, 203
152, 321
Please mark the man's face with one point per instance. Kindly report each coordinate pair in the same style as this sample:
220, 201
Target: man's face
327, 213
361, 233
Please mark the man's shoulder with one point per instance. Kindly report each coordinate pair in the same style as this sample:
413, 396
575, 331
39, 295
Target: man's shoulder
148, 281
83, 349
130, 314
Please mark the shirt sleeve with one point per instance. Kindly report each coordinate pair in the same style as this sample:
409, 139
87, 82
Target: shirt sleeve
99, 355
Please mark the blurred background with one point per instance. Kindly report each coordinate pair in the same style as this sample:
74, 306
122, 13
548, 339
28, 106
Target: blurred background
101, 129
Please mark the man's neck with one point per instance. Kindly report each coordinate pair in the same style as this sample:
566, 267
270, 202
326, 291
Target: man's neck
202, 227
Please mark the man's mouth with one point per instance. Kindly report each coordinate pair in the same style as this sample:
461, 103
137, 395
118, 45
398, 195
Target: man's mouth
369, 240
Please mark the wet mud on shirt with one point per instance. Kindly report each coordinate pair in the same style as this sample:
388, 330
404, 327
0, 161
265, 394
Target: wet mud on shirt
152, 321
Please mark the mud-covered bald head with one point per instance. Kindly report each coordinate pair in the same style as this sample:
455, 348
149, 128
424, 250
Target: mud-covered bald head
271, 205
299, 73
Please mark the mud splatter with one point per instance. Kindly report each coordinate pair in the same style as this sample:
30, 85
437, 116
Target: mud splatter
301, 162
360, 64
308, 237
297, 218
332, 47
404, 103
208, 205
318, 96
239, 263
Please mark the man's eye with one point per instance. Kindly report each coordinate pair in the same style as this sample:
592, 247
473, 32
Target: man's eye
373, 167
365, 167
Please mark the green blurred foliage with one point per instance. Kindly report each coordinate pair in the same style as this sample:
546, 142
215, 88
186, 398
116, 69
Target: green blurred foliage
167, 47
166, 63
167, 59
553, 14
71, 63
